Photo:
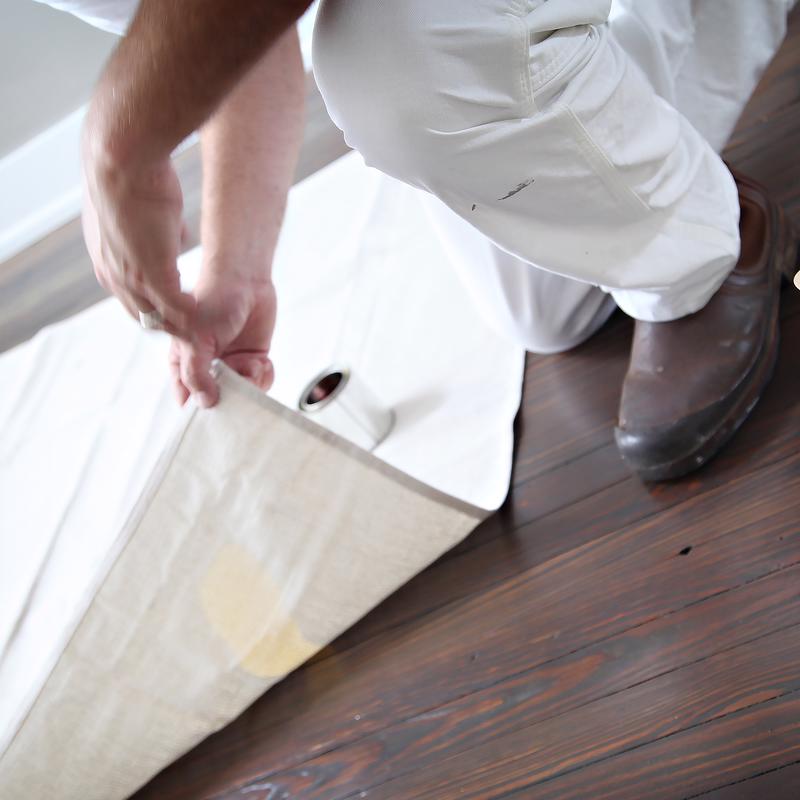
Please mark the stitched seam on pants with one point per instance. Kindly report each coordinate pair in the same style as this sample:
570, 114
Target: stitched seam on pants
561, 61
603, 166
564, 60
606, 170
553, 69
526, 85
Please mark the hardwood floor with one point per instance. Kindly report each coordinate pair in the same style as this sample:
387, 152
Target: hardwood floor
598, 637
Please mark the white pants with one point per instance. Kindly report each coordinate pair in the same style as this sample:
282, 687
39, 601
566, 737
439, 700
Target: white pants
571, 160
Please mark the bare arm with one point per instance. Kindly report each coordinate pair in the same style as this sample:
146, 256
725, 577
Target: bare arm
250, 147
177, 63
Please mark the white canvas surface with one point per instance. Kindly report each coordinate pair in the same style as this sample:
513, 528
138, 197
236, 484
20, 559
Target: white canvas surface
87, 416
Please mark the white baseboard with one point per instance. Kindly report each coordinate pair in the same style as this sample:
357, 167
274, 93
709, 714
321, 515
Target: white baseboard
40, 182
40, 185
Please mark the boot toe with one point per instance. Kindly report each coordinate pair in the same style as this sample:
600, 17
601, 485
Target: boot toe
671, 449
692, 382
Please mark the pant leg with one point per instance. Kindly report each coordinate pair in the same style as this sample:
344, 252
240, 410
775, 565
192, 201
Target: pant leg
539, 310
703, 58
533, 124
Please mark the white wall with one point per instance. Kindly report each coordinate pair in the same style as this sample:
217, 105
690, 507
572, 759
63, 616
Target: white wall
49, 62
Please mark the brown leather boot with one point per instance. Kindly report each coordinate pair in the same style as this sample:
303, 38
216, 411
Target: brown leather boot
692, 382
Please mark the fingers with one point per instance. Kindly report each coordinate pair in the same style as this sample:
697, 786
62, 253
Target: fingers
134, 239
254, 365
175, 307
195, 365
132, 302
162, 294
177, 310
160, 283
189, 367
232, 322
178, 387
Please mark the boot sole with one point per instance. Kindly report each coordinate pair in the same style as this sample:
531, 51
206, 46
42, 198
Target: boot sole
759, 376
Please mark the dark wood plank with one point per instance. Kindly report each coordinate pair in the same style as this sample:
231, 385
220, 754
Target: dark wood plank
571, 401
780, 175
48, 282
559, 695
552, 609
779, 86
677, 700
782, 783
688, 763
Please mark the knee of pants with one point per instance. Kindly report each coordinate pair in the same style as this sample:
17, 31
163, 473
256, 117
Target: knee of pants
540, 311
545, 334
400, 78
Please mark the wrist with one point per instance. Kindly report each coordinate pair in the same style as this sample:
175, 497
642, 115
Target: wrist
251, 269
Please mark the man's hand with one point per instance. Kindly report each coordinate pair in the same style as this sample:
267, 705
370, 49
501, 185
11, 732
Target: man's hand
234, 322
249, 148
173, 69
239, 78
133, 228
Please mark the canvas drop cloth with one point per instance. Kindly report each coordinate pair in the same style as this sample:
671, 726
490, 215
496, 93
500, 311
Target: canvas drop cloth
160, 568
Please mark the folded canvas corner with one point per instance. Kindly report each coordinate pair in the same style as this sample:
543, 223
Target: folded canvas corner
259, 538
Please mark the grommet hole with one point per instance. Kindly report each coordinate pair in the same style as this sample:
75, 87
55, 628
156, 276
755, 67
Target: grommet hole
324, 388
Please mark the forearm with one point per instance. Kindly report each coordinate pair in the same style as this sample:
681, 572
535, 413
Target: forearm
250, 147
174, 67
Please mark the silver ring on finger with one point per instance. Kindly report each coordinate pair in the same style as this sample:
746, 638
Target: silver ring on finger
151, 320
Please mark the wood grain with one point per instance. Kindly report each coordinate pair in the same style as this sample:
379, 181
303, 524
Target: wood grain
555, 704
551, 610
776, 783
681, 699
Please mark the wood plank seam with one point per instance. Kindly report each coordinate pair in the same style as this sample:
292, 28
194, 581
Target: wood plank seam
521, 673
483, 685
515, 793
646, 517
744, 780
527, 525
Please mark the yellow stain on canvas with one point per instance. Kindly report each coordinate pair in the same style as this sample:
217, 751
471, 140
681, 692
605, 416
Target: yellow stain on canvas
242, 604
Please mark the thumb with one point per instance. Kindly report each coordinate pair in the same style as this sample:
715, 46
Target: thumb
195, 366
